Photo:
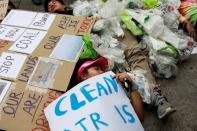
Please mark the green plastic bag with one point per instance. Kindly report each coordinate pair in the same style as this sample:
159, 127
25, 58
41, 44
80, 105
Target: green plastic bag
130, 25
88, 50
150, 4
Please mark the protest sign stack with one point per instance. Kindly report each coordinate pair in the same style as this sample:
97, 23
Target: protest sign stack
38, 55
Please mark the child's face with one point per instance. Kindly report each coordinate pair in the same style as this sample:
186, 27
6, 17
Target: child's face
92, 71
55, 5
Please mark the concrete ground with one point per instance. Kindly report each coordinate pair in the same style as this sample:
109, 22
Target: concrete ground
181, 91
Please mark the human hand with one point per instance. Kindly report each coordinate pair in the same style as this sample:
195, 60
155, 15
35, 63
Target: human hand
122, 77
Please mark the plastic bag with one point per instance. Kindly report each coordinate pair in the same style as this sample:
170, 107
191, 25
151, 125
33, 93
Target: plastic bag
151, 23
162, 66
130, 24
109, 48
88, 50
143, 85
159, 46
109, 26
82, 9
174, 39
111, 8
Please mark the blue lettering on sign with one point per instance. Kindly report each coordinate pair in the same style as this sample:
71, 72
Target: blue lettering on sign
109, 87
100, 88
112, 82
131, 118
95, 117
87, 93
81, 124
75, 104
57, 107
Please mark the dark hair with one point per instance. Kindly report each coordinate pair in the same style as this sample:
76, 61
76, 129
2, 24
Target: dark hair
73, 80
46, 2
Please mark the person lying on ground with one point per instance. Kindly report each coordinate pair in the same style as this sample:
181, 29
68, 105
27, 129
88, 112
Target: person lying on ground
88, 68
57, 6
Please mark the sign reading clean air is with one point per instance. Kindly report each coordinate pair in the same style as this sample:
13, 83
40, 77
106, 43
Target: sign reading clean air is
98, 103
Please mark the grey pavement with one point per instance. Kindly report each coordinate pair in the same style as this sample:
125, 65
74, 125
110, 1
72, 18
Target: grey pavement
181, 91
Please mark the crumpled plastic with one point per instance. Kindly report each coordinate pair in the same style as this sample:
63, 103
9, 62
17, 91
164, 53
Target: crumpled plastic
143, 85
174, 39
88, 50
158, 46
151, 23
111, 8
161, 65
109, 26
108, 47
170, 13
130, 24
82, 8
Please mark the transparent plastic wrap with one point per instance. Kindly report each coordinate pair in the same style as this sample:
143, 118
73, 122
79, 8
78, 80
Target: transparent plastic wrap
176, 40
158, 46
109, 26
82, 8
109, 48
143, 85
111, 8
152, 23
170, 12
162, 66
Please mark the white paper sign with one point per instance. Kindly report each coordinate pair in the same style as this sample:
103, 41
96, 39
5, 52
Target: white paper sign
42, 21
11, 64
28, 42
68, 48
10, 33
98, 103
19, 18
3, 8
4, 86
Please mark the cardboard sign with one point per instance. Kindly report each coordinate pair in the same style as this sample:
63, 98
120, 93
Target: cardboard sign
42, 21
4, 86
68, 48
19, 18
3, 8
74, 25
29, 19
98, 103
23, 109
10, 33
10, 65
28, 42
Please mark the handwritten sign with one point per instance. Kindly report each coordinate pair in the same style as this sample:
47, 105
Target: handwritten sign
3, 8
29, 19
43, 21
10, 64
76, 25
19, 18
10, 33
4, 86
98, 103
68, 48
28, 42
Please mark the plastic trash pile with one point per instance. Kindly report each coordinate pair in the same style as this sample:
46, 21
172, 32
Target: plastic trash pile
154, 22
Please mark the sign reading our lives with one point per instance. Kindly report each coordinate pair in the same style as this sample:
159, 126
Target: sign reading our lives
10, 64
28, 42
98, 103
29, 19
